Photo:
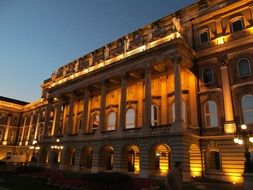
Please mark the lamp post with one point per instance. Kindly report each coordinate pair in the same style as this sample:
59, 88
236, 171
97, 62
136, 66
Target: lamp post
57, 147
245, 137
34, 147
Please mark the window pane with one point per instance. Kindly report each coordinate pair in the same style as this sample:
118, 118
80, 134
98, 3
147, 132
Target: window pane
111, 120
244, 68
247, 107
237, 25
211, 116
130, 119
214, 160
95, 122
208, 76
204, 37
154, 115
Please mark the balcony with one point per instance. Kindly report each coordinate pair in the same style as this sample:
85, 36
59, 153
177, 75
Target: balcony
206, 10
160, 129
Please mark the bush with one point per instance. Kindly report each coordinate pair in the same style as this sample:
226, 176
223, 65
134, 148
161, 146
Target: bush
113, 180
29, 169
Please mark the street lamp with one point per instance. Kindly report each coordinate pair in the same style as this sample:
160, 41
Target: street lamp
57, 146
245, 137
34, 147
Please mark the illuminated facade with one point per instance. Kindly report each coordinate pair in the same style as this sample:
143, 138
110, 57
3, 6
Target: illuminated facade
177, 89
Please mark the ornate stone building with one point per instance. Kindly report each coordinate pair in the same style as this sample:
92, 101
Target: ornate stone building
175, 90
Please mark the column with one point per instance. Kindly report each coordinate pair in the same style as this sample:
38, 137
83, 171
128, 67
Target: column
85, 123
102, 106
148, 98
29, 129
47, 117
140, 104
229, 125
164, 105
57, 118
70, 114
23, 131
122, 105
178, 123
37, 126
7, 130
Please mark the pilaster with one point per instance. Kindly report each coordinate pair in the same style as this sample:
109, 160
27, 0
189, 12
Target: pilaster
229, 125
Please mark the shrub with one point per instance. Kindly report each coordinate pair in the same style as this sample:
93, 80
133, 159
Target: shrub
29, 169
113, 180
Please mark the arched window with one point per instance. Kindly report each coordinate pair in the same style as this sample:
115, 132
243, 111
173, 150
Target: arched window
211, 116
243, 67
183, 111
130, 119
247, 109
213, 160
95, 122
208, 76
154, 115
111, 123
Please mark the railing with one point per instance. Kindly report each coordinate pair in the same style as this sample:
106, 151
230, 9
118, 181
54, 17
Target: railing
160, 129
216, 7
118, 52
131, 132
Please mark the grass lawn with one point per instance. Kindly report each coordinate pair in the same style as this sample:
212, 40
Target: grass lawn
15, 182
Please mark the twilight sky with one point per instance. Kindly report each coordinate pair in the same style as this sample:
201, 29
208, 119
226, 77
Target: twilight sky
38, 36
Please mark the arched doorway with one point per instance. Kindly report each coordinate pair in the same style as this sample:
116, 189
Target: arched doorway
86, 158
162, 159
133, 159
106, 157
70, 157
195, 161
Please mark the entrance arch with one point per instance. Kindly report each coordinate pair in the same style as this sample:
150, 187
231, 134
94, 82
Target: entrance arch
195, 161
162, 159
106, 157
86, 158
133, 159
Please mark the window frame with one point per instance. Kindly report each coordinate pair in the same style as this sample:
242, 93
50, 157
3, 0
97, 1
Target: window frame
134, 119
210, 114
115, 121
204, 77
208, 161
92, 122
208, 36
155, 122
236, 20
237, 65
247, 110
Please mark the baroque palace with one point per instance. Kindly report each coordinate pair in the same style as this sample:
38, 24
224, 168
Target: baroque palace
178, 89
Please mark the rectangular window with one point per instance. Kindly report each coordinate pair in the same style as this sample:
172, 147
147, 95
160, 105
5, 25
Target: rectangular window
204, 37
237, 25
214, 160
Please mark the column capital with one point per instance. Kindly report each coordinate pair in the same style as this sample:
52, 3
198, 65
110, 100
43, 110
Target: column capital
223, 60
177, 59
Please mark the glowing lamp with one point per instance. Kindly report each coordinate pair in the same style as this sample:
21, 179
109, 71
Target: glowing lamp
251, 139
236, 140
240, 142
220, 41
243, 127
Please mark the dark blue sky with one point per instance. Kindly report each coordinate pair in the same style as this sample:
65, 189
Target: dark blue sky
38, 36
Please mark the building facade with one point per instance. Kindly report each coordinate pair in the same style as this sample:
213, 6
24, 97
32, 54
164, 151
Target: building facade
177, 89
